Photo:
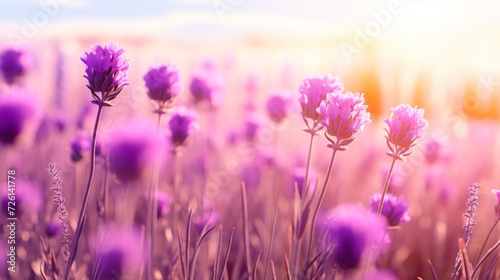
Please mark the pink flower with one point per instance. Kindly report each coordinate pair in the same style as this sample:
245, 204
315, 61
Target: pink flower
344, 115
497, 207
163, 83
406, 125
313, 90
278, 107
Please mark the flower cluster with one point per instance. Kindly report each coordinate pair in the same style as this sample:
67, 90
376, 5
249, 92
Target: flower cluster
163, 84
406, 125
182, 124
395, 209
107, 72
344, 115
314, 90
14, 63
278, 107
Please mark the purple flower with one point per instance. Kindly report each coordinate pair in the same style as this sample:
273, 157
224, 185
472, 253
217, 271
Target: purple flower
107, 72
182, 124
80, 146
395, 209
344, 115
314, 90
434, 150
278, 106
53, 229
132, 149
120, 255
17, 114
497, 207
251, 128
163, 204
163, 83
14, 63
353, 233
406, 125
207, 85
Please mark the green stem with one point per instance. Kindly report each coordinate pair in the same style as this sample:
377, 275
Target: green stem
80, 225
386, 187
318, 204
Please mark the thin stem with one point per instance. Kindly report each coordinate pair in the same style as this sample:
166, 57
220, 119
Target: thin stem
490, 251
318, 204
246, 231
486, 240
305, 191
79, 228
386, 187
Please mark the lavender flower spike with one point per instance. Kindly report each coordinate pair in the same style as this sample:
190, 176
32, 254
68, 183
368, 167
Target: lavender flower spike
395, 209
163, 85
344, 115
406, 125
107, 72
314, 90
182, 124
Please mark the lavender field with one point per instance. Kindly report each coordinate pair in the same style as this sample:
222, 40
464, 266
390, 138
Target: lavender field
227, 140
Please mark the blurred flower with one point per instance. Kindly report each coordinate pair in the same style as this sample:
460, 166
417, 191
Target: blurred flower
497, 207
395, 209
80, 146
406, 125
17, 113
434, 150
53, 229
107, 72
207, 85
208, 217
163, 84
380, 275
298, 178
353, 233
27, 199
132, 149
182, 124
120, 255
252, 125
163, 204
313, 90
14, 63
344, 115
278, 106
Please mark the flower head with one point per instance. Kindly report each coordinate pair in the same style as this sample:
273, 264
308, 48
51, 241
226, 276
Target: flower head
353, 232
207, 85
434, 150
497, 207
53, 229
344, 115
406, 125
80, 145
163, 84
182, 124
14, 63
132, 149
278, 107
107, 72
120, 255
395, 209
314, 90
17, 114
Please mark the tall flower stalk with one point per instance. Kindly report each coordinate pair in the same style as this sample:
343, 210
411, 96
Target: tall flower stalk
406, 125
107, 74
344, 114
163, 87
313, 90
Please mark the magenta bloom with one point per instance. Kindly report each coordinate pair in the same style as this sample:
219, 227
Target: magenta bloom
182, 124
132, 149
497, 207
207, 85
406, 125
80, 146
314, 90
107, 72
14, 63
395, 209
353, 233
163, 83
278, 107
344, 115
120, 255
17, 113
